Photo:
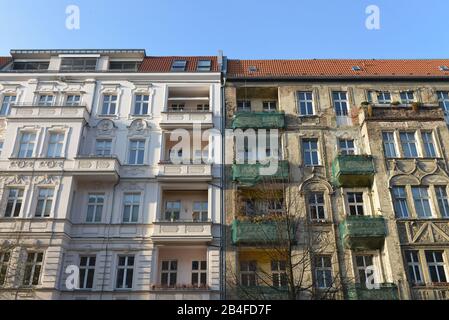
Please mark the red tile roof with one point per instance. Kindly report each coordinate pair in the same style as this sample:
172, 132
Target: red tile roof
334, 68
4, 60
163, 64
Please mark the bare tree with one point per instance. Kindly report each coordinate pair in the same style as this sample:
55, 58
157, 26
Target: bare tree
284, 235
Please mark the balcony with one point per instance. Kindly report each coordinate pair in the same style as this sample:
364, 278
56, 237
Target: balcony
259, 120
245, 232
186, 119
182, 231
363, 232
32, 112
189, 172
430, 293
95, 168
353, 171
262, 293
425, 112
249, 174
387, 291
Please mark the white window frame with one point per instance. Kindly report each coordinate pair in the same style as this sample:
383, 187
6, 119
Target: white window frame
400, 202
409, 145
170, 272
341, 103
95, 205
346, 149
407, 97
141, 100
7, 101
414, 265
136, 199
429, 145
17, 199
382, 97
389, 144
45, 100
58, 152
442, 200
320, 267
47, 197
5, 258
27, 144
140, 147
88, 268
422, 199
200, 209
269, 106
307, 148
436, 265
172, 210
356, 204
70, 102
199, 272
126, 267
316, 205
248, 272
245, 106
279, 273
108, 104
33, 264
309, 105
100, 145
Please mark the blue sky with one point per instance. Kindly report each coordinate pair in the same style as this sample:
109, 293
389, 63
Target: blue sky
242, 28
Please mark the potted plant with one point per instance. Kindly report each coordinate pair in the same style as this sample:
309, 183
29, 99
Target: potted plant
395, 103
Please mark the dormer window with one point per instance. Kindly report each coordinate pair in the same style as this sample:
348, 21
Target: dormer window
204, 65
78, 64
31, 66
444, 68
124, 66
356, 68
178, 65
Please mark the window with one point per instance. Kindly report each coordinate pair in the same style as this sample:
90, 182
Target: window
422, 202
305, 103
87, 272
4, 262
31, 65
384, 97
408, 142
346, 146
131, 207
169, 273
78, 64
248, 273
429, 146
389, 144
6, 105
125, 272
15, 198
1, 147
355, 203
141, 104
407, 97
436, 266
414, 267
243, 106
340, 103
200, 211
177, 107
443, 200
400, 202
202, 107
269, 106
109, 104
103, 147
323, 272
73, 100
316, 207
363, 262
45, 100
178, 65
26, 147
124, 66
199, 273
95, 205
443, 98
310, 152
55, 144
33, 267
44, 202
136, 152
279, 273
203, 65
172, 210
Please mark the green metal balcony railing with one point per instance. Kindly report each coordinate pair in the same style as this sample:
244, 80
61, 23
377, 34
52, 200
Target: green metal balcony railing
387, 291
363, 232
259, 120
250, 174
353, 171
271, 232
261, 292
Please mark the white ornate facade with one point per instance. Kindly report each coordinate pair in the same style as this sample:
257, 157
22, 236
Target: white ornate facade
86, 179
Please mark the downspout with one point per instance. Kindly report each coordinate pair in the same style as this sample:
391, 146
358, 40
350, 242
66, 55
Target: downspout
223, 182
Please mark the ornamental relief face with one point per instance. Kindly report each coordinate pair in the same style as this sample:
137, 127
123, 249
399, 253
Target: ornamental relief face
423, 232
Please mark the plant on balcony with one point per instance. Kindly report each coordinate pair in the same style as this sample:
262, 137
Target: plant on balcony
395, 103
368, 107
